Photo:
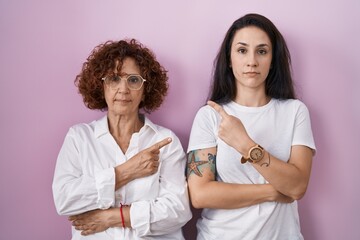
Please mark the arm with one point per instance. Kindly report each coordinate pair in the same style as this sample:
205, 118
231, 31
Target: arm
143, 164
99, 220
170, 210
206, 192
165, 214
290, 178
74, 190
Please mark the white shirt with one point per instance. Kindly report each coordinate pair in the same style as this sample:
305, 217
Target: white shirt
84, 180
276, 126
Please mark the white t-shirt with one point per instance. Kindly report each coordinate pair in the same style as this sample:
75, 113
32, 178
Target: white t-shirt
84, 180
276, 126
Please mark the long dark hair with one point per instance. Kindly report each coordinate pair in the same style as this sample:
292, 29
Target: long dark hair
279, 83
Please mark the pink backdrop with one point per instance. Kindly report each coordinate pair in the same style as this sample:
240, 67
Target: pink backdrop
43, 44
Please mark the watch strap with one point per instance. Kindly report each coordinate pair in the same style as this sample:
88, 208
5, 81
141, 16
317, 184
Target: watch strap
244, 160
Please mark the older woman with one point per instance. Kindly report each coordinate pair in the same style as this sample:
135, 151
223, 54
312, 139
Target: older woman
122, 176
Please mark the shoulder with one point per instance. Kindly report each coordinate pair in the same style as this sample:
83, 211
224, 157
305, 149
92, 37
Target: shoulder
207, 113
292, 109
161, 133
79, 128
85, 130
164, 131
160, 130
290, 104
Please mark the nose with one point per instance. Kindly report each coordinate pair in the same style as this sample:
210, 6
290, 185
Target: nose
122, 86
252, 61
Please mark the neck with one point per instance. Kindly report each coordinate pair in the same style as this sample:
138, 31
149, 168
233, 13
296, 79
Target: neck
123, 125
252, 98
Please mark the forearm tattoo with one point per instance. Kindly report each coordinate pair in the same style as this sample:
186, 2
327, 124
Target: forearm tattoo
196, 166
266, 164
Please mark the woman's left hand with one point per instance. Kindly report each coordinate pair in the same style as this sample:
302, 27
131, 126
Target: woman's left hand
232, 130
93, 221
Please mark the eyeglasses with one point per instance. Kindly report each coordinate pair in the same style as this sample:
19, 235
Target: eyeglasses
133, 81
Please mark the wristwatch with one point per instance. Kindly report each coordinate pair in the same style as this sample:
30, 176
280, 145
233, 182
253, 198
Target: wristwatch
256, 153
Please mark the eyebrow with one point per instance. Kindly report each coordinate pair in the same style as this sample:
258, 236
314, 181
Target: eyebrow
260, 45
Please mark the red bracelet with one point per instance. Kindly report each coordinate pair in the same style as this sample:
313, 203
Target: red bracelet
122, 215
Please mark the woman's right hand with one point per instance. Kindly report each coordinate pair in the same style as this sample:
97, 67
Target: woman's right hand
96, 220
143, 164
232, 130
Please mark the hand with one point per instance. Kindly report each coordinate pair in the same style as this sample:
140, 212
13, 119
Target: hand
232, 130
146, 162
94, 221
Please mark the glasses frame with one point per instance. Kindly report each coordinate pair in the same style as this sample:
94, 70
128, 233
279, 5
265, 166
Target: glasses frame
127, 83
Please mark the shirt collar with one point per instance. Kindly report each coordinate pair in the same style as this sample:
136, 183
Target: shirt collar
102, 127
150, 124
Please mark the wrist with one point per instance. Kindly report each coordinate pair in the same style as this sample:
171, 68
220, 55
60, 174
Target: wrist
272, 193
126, 214
255, 154
265, 161
244, 148
115, 218
123, 175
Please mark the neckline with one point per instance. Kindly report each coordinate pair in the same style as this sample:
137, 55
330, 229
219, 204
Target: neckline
243, 108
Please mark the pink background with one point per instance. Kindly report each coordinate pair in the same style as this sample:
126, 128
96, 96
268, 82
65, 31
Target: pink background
44, 43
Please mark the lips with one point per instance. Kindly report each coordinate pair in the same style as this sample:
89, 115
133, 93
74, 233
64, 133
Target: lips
251, 74
122, 100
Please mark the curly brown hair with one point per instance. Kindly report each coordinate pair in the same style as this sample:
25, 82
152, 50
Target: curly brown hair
103, 59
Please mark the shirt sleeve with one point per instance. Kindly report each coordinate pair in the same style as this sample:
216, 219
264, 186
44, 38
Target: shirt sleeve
171, 209
302, 131
204, 129
74, 190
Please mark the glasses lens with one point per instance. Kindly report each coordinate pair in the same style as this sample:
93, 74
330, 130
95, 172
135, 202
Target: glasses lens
112, 81
134, 82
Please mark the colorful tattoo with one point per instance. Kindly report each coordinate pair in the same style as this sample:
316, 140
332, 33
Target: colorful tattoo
212, 162
195, 164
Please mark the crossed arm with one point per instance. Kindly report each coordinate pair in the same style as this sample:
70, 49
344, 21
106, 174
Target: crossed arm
143, 164
287, 180
99, 220
206, 192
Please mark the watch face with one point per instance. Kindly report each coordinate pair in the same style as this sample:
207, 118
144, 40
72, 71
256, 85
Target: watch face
256, 154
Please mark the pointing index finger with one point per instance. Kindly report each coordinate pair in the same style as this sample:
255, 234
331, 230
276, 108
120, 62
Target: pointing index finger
157, 146
218, 108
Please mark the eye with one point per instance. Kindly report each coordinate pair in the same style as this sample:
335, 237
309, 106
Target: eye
114, 78
262, 51
133, 79
242, 50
